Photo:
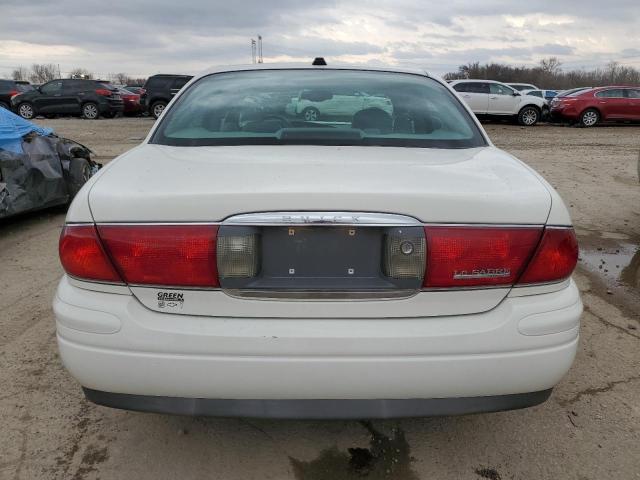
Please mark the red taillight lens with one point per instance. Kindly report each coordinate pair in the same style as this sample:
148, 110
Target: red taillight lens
104, 92
477, 256
13, 93
555, 258
171, 255
82, 255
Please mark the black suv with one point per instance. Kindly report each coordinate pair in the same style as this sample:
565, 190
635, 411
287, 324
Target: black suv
89, 98
9, 88
159, 90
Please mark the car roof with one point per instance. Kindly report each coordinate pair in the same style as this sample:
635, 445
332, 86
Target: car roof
171, 75
474, 80
615, 86
308, 66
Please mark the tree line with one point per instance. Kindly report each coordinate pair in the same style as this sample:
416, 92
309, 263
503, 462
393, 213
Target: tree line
549, 74
45, 72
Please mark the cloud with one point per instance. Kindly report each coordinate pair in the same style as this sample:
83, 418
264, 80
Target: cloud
146, 37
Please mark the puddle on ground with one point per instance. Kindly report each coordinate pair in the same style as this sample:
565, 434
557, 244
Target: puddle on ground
387, 457
614, 259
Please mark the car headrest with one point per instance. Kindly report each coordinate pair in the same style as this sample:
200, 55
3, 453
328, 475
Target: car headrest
373, 119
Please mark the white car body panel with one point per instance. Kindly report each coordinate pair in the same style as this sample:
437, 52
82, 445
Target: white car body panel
196, 356
212, 183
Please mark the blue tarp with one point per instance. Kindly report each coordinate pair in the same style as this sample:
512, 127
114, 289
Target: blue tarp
13, 127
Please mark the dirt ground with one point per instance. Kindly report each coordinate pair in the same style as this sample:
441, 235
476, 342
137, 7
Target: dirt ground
589, 429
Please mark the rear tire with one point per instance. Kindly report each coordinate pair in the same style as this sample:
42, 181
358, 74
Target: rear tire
157, 108
79, 173
90, 111
26, 111
589, 118
528, 116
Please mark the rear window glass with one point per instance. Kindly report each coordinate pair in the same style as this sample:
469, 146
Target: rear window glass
180, 82
612, 93
24, 87
318, 107
158, 82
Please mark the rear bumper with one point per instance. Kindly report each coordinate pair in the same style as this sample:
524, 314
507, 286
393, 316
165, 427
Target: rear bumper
262, 366
564, 114
111, 106
317, 409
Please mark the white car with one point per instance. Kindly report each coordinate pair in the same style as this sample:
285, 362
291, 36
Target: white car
316, 104
490, 98
235, 264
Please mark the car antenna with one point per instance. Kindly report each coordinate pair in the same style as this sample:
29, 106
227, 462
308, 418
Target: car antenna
319, 61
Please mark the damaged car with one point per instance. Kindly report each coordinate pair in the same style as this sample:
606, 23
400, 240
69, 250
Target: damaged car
38, 169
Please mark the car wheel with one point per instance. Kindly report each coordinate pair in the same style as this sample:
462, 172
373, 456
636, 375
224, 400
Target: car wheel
157, 108
90, 111
79, 174
311, 114
4, 105
528, 116
25, 110
589, 117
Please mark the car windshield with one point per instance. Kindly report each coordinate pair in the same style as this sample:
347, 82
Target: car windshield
318, 107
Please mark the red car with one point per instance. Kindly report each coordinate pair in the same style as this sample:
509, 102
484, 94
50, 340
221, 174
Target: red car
600, 104
131, 101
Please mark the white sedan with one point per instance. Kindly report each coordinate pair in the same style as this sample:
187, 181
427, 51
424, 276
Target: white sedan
240, 262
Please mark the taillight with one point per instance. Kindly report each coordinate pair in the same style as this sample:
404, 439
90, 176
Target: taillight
104, 92
555, 258
13, 93
82, 255
170, 255
477, 256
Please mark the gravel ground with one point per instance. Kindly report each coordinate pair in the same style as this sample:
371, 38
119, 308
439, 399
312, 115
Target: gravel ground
589, 429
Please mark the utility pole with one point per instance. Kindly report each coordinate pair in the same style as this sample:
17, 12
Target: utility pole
253, 51
260, 49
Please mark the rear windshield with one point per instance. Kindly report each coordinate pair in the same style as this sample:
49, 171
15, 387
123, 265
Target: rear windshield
24, 87
318, 107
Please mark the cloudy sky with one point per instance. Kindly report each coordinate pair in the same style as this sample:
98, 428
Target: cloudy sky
146, 37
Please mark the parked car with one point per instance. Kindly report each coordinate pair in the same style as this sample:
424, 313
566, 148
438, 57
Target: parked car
523, 86
159, 90
245, 263
600, 104
315, 104
131, 101
88, 98
495, 99
10, 88
38, 169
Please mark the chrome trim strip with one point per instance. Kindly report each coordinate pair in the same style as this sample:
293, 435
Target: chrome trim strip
322, 218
